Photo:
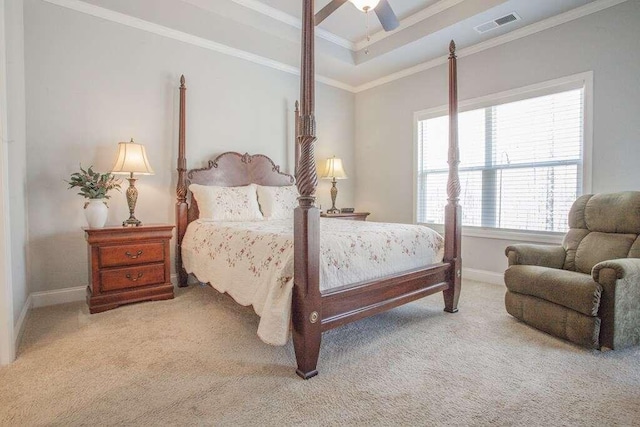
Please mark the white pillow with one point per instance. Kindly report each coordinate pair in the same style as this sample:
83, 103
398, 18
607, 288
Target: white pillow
278, 202
227, 203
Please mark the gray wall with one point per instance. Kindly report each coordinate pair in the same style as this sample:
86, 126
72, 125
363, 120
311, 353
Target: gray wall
605, 42
92, 83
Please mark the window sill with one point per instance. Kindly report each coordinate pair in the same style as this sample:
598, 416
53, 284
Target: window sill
504, 234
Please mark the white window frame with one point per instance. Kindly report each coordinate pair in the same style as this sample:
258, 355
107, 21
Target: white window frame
575, 81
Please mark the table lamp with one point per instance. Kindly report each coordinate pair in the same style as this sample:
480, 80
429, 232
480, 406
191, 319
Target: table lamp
334, 171
132, 159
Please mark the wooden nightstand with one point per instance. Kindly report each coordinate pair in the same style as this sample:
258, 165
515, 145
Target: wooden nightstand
355, 216
128, 264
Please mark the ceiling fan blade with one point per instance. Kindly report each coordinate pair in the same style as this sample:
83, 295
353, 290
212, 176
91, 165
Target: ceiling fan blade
328, 10
387, 16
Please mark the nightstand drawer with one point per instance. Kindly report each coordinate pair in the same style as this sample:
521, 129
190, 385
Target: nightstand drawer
131, 277
141, 253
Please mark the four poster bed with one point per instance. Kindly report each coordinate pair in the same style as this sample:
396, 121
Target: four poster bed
314, 306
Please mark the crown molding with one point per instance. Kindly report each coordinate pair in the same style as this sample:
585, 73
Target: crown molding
283, 17
537, 27
141, 24
110, 15
407, 22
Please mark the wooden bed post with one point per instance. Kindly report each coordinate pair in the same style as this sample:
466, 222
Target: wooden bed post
453, 211
296, 142
181, 190
307, 303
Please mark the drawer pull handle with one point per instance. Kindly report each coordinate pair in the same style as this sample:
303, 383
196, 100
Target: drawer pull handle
134, 279
137, 255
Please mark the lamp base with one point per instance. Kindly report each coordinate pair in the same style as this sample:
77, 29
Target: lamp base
132, 222
132, 198
334, 194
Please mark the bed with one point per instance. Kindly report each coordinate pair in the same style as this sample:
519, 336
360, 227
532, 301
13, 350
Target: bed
314, 306
253, 261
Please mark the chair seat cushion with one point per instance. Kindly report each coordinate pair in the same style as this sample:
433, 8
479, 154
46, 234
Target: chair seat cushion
570, 289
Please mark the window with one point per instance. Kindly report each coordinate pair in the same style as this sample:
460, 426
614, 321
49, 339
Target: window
521, 161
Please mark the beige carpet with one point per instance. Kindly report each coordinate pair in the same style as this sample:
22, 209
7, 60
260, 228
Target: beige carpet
197, 360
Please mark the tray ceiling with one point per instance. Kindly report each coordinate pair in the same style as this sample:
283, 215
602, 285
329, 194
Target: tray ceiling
348, 22
268, 32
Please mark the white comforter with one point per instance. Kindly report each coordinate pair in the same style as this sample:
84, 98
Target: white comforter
253, 261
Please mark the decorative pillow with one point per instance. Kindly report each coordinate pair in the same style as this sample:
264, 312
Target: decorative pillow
227, 203
278, 202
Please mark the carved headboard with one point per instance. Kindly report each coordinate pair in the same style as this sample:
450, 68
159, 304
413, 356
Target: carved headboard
229, 169
233, 169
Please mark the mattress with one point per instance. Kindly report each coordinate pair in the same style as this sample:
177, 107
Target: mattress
253, 261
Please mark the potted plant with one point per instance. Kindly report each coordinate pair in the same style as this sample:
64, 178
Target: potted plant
94, 186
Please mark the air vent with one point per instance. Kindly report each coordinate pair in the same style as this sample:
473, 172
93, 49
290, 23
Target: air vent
499, 22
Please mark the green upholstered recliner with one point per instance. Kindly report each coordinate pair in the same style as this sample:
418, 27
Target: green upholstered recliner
587, 290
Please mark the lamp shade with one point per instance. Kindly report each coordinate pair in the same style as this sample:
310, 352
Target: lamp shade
365, 5
334, 169
132, 159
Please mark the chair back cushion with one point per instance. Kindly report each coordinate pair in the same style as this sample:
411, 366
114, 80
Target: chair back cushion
602, 227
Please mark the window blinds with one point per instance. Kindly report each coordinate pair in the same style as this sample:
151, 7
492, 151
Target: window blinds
520, 163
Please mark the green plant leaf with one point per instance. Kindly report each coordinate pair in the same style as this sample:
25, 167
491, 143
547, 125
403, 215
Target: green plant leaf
93, 184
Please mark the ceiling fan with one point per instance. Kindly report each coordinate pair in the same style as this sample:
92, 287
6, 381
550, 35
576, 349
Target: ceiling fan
383, 10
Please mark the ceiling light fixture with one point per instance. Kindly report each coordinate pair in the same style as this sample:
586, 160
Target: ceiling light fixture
365, 5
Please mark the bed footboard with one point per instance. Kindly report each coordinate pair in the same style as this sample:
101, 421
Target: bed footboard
350, 303
313, 313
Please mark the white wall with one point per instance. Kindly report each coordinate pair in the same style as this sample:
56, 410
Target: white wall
605, 42
17, 154
92, 83
7, 353
13, 229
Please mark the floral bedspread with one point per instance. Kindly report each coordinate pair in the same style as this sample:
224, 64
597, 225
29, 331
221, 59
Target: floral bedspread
253, 261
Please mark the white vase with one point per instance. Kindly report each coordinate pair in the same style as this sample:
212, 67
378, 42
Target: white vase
96, 211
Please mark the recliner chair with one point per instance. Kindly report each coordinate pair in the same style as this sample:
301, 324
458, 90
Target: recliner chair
586, 291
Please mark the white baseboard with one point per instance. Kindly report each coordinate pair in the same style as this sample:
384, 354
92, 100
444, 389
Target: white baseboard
58, 296
18, 329
54, 297
78, 293
62, 296
483, 276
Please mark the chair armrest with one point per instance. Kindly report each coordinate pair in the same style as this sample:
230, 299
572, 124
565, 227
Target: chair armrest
542, 255
620, 301
625, 268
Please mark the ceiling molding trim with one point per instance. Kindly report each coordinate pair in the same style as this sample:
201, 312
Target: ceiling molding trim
281, 16
407, 22
117, 17
537, 27
140, 24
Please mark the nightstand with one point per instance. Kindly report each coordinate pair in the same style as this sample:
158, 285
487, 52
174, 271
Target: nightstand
128, 264
355, 216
